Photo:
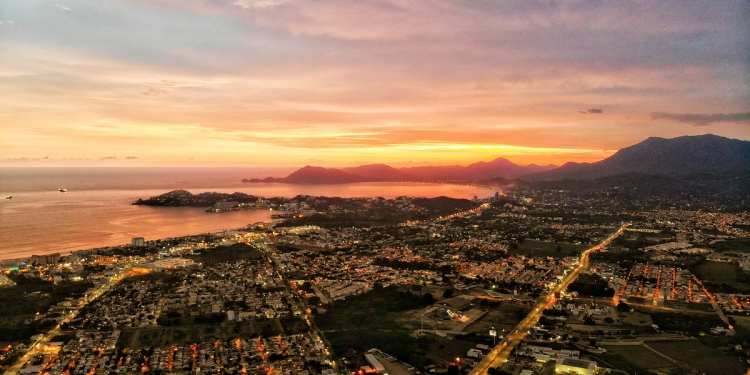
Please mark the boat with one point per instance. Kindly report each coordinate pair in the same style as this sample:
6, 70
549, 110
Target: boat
62, 190
8, 196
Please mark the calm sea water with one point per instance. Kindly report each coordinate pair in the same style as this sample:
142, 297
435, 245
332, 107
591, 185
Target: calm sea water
96, 211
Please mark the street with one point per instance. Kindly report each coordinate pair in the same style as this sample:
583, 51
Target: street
500, 353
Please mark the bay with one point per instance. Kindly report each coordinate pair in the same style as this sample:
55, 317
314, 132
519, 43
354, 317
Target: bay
96, 210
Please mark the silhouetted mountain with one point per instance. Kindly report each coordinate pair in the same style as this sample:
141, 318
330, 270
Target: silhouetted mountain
680, 157
320, 175
481, 171
380, 172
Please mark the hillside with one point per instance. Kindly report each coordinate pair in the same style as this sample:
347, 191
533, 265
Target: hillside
706, 155
482, 171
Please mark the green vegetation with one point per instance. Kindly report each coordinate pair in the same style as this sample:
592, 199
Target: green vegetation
548, 249
722, 272
231, 253
591, 285
636, 358
695, 324
615, 256
738, 244
30, 296
636, 319
723, 277
354, 219
686, 306
503, 317
700, 357
373, 310
364, 213
376, 320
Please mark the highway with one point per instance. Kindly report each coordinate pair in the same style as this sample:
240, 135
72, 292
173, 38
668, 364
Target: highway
500, 353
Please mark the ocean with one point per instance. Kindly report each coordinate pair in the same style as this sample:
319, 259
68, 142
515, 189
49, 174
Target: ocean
96, 210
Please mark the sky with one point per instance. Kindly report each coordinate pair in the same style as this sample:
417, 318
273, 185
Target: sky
351, 82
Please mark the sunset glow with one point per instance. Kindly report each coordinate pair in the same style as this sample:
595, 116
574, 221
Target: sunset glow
343, 83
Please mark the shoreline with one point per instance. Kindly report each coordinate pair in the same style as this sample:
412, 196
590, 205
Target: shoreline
114, 235
95, 250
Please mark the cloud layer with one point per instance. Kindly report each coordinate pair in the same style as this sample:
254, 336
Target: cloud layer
285, 81
703, 120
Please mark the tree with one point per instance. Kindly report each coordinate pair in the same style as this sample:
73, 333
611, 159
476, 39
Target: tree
428, 299
448, 293
589, 322
520, 314
622, 306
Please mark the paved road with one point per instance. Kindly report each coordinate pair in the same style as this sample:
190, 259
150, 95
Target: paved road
316, 332
715, 304
500, 353
38, 346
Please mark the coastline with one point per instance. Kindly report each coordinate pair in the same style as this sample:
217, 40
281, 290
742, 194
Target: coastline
96, 250
40, 223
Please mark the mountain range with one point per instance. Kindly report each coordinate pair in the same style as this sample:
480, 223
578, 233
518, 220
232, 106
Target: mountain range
498, 168
677, 158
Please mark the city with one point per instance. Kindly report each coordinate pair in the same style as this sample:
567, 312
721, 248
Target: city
515, 284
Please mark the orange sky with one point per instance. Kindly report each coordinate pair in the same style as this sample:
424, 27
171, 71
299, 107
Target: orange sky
344, 82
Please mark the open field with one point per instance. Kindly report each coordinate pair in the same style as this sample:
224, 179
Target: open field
742, 321
231, 253
700, 357
639, 357
721, 272
377, 309
548, 249
742, 245
689, 306
615, 361
504, 317
636, 318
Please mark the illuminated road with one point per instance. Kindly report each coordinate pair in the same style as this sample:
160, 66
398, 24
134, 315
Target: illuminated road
715, 304
316, 333
38, 346
472, 211
500, 353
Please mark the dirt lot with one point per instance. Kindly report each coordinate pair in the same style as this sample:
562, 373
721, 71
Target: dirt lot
506, 316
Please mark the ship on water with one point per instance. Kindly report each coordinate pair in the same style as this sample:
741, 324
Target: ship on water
62, 190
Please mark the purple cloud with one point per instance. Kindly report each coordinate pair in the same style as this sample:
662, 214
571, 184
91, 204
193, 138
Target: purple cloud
702, 120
